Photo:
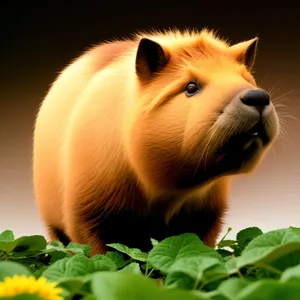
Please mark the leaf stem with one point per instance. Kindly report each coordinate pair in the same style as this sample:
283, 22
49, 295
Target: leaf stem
204, 283
4, 256
128, 261
196, 283
240, 274
147, 269
228, 230
269, 268
150, 272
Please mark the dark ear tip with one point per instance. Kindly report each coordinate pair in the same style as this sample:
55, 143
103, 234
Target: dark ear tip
250, 54
253, 43
147, 45
146, 41
151, 58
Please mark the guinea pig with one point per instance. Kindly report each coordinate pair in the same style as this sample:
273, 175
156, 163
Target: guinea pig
139, 138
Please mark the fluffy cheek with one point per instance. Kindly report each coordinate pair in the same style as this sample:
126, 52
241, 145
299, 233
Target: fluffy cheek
201, 118
155, 143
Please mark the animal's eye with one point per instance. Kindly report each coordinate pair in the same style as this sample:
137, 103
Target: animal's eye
191, 89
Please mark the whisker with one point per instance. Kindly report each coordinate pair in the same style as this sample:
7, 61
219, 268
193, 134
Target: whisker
273, 152
206, 148
223, 134
283, 95
283, 136
288, 116
265, 77
186, 158
271, 91
281, 109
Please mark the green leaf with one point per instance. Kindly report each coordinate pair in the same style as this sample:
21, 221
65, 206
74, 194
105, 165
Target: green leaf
217, 296
56, 270
103, 263
78, 248
126, 286
33, 263
7, 236
37, 273
266, 248
57, 251
236, 250
154, 242
117, 258
179, 281
74, 284
163, 255
232, 265
291, 275
134, 253
10, 268
284, 262
296, 230
224, 237
199, 268
55, 247
226, 243
57, 244
56, 254
232, 286
269, 289
78, 265
224, 253
245, 236
132, 268
89, 297
24, 296
24, 244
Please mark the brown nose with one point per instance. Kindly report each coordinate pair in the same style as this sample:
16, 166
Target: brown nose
256, 98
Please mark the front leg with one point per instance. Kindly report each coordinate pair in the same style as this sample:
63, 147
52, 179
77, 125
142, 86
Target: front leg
202, 216
79, 227
111, 215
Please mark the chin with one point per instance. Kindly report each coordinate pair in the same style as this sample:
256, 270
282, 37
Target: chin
241, 158
242, 151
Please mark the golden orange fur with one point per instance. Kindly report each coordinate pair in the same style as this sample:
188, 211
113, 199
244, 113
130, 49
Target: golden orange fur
121, 154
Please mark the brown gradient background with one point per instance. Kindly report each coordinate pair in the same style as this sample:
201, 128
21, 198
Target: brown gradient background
38, 40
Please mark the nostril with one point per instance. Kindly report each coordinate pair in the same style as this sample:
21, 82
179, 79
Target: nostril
256, 98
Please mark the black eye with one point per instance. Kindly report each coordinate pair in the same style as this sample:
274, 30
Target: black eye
191, 89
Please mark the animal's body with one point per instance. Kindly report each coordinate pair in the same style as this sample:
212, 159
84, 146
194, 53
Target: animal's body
138, 139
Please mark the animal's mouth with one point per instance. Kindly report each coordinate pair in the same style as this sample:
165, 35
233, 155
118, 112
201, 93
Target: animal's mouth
242, 142
239, 153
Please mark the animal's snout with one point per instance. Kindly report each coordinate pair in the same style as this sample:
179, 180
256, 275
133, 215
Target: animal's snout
259, 99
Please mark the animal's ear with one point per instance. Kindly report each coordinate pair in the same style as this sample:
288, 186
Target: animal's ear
245, 52
150, 58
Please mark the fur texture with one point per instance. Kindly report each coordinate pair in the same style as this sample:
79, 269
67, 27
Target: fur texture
121, 154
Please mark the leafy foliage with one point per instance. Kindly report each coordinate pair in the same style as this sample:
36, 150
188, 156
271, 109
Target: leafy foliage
255, 265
